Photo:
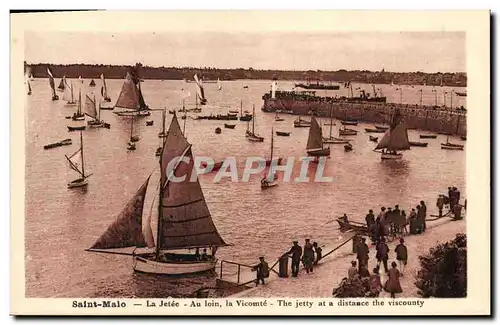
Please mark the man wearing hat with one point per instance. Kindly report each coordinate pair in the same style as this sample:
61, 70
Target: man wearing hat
308, 256
296, 252
262, 270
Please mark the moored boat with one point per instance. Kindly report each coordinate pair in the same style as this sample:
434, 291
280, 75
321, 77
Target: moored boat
250, 135
345, 131
300, 123
368, 130
65, 142
76, 128
428, 136
372, 138
282, 134
463, 137
348, 147
229, 126
451, 146
379, 127
351, 225
348, 122
131, 100
418, 144
149, 123
218, 130
270, 180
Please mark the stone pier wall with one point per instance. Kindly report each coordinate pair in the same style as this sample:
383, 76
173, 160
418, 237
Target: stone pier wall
425, 118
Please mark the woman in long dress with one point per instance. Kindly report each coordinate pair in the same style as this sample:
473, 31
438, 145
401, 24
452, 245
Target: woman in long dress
392, 285
375, 284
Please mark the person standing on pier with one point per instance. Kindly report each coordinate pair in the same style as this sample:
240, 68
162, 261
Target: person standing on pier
262, 271
457, 194
308, 256
382, 254
451, 195
392, 285
363, 254
423, 207
296, 252
413, 221
370, 219
440, 204
396, 218
318, 251
401, 255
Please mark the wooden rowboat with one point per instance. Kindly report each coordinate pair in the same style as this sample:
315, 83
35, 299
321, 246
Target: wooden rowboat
282, 134
428, 136
374, 139
229, 126
368, 130
354, 123
418, 144
352, 225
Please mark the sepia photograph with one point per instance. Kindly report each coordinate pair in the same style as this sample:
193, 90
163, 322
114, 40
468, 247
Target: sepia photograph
261, 167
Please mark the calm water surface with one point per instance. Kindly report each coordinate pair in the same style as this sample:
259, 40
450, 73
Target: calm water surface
62, 223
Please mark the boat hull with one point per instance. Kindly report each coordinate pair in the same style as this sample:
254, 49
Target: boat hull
353, 123
335, 141
345, 226
143, 265
78, 183
391, 156
319, 152
418, 144
451, 146
135, 113
282, 134
428, 136
374, 130
347, 132
76, 128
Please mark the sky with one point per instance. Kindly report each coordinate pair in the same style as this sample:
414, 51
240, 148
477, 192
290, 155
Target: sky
393, 51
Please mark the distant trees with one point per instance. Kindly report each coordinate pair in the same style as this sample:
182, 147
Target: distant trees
175, 73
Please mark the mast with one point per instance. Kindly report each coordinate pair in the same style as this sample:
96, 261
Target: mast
253, 119
131, 126
272, 144
331, 121
241, 107
72, 98
79, 107
185, 118
99, 112
81, 149
160, 208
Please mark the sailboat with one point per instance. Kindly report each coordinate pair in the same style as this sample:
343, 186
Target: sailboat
183, 221
345, 131
247, 117
104, 93
92, 111
300, 123
331, 139
77, 163
395, 139
200, 93
251, 136
162, 134
219, 84
31, 77
62, 84
131, 99
277, 118
80, 79
315, 145
269, 181
92, 83
451, 146
78, 116
52, 85
68, 94
133, 138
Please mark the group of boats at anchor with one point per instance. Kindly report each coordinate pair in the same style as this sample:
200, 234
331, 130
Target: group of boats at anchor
394, 140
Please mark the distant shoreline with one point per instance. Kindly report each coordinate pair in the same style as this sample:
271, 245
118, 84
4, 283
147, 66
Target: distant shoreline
457, 79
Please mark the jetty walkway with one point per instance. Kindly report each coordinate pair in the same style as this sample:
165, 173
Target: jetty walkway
331, 270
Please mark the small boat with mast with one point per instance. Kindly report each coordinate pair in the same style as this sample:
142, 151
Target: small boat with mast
345, 131
300, 123
251, 136
77, 164
62, 84
395, 139
331, 139
315, 146
68, 94
183, 221
247, 117
133, 138
79, 115
200, 92
28, 83
451, 146
131, 100
277, 118
94, 113
92, 83
104, 94
219, 84
162, 133
270, 179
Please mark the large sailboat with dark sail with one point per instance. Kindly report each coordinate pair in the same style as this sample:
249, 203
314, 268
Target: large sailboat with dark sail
315, 146
395, 139
130, 99
183, 222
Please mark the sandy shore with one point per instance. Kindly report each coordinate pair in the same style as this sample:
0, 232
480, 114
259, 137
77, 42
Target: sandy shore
334, 268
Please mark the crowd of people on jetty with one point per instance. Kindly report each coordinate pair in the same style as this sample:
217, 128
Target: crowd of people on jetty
388, 222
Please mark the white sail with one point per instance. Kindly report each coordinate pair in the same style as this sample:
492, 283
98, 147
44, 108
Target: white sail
315, 140
68, 93
219, 84
104, 90
75, 161
199, 89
